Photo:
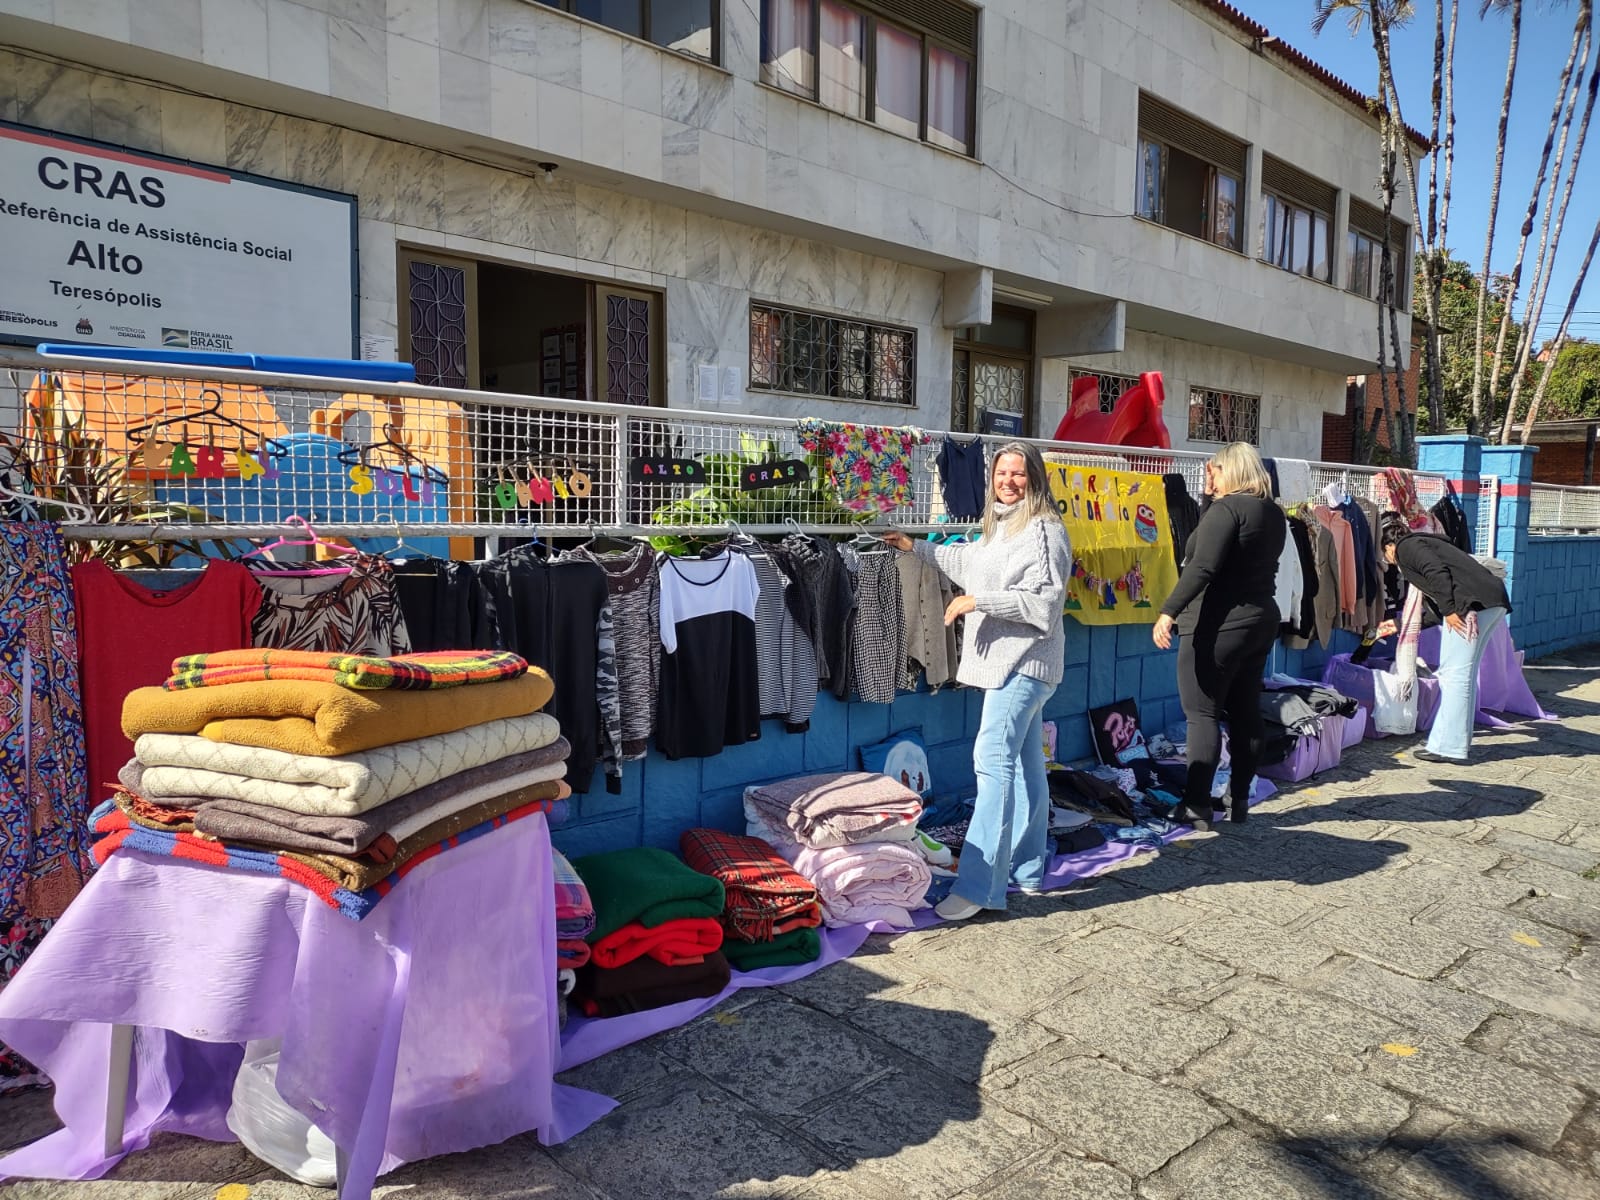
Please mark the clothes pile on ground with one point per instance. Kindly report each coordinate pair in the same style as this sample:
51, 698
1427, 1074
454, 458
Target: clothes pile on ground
771, 912
855, 836
574, 915
657, 936
340, 773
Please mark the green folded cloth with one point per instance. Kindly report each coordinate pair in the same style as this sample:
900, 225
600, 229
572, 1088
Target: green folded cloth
786, 950
644, 886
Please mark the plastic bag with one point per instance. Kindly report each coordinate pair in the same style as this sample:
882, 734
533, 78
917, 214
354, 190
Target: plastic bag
271, 1130
1394, 705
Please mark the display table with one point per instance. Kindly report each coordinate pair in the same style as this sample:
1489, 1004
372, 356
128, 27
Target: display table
426, 1029
1501, 685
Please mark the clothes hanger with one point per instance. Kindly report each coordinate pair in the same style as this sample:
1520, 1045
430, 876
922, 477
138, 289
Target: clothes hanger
76, 513
311, 539
865, 542
408, 458
211, 417
596, 538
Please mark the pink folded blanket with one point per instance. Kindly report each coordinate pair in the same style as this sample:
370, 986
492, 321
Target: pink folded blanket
877, 881
837, 808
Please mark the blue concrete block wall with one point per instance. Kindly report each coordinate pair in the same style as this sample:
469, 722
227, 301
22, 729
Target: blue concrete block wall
660, 799
1559, 580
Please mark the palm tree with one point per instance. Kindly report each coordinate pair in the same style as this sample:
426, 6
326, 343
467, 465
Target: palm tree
1561, 336
1579, 38
1549, 242
1475, 422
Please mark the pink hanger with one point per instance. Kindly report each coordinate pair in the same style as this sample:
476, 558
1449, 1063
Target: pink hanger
311, 539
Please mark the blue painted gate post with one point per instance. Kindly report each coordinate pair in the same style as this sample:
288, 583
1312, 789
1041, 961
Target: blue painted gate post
1514, 467
1459, 459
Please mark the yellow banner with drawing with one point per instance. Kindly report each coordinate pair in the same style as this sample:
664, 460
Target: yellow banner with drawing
1123, 569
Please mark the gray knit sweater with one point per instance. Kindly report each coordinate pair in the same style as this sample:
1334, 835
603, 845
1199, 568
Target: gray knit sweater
1018, 583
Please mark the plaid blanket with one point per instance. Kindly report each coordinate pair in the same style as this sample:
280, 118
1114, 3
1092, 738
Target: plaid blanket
765, 896
113, 831
407, 672
574, 909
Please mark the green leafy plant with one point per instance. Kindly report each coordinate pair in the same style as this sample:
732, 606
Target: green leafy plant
720, 499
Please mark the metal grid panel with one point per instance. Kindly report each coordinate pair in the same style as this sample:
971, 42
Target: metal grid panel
1217, 416
1111, 387
235, 454
1556, 510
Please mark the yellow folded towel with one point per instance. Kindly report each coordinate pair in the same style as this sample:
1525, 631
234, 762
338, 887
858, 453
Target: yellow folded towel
324, 719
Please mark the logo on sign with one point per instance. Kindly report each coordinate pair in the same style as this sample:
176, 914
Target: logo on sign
177, 339
84, 325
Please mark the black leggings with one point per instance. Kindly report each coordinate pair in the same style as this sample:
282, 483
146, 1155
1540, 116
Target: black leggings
1219, 678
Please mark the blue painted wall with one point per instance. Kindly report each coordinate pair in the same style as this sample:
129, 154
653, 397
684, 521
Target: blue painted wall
1558, 582
660, 799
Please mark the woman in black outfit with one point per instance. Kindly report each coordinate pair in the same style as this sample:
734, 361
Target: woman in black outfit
1228, 616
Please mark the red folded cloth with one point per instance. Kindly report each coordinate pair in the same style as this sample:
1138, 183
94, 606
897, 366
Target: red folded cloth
572, 954
676, 943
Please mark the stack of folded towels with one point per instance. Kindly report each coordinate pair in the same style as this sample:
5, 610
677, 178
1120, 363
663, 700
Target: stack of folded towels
338, 772
853, 834
657, 935
574, 915
770, 912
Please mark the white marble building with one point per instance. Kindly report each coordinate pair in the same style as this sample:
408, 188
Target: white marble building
922, 229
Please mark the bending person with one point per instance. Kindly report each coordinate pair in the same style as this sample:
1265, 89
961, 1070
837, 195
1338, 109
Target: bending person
1472, 601
1226, 612
1015, 581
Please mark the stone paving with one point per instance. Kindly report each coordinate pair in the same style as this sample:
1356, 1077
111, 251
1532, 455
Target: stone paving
1384, 985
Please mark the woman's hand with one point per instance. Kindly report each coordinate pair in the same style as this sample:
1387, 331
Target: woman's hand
959, 607
1161, 635
899, 541
1387, 629
1457, 625
1209, 488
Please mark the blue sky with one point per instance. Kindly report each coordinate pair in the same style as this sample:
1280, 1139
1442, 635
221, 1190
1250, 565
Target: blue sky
1480, 74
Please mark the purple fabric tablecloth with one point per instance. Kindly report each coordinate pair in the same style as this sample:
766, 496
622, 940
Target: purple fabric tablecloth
1501, 685
1355, 680
426, 1029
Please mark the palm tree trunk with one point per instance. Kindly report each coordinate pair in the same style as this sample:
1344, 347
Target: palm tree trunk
1550, 242
1578, 32
1561, 336
1445, 107
1475, 423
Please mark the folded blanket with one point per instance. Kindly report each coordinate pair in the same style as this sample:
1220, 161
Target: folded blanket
772, 831
195, 772
677, 942
881, 881
645, 984
406, 672
644, 886
574, 909
358, 873
572, 953
760, 888
325, 719
785, 950
114, 831
181, 820
837, 808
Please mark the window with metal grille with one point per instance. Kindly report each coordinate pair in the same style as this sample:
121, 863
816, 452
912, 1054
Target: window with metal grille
1190, 174
812, 354
690, 27
906, 65
1110, 387
1216, 416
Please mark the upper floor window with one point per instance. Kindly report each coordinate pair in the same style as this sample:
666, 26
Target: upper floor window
687, 26
906, 65
1216, 416
1190, 174
1298, 216
1364, 250
842, 359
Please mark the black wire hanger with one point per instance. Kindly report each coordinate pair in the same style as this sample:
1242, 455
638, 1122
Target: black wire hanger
210, 416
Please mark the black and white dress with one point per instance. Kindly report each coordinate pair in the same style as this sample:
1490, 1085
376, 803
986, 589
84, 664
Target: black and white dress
710, 690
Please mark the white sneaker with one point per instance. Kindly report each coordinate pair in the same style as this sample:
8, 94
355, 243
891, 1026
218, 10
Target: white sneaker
935, 851
956, 908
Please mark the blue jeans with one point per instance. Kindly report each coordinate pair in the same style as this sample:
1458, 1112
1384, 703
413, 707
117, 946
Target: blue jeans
1009, 837
1458, 686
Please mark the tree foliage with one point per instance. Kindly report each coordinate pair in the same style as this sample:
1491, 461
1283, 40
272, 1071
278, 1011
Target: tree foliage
1458, 308
1574, 388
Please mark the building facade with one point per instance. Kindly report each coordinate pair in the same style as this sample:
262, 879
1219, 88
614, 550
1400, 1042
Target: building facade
901, 211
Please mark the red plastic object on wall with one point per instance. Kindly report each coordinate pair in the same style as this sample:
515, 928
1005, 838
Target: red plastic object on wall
1135, 421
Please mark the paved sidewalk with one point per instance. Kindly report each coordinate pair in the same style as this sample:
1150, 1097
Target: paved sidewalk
1384, 985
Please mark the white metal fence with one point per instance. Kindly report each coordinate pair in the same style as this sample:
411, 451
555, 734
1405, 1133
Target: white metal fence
191, 452
1563, 510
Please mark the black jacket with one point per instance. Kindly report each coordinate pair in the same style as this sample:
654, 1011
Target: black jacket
1455, 581
1231, 566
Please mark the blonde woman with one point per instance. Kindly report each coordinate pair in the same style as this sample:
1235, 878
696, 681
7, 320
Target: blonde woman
1225, 610
1015, 580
